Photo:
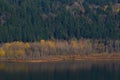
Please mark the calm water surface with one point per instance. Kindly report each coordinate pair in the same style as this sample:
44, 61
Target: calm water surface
70, 70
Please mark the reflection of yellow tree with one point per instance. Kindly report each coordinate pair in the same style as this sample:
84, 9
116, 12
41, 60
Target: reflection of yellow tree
2, 66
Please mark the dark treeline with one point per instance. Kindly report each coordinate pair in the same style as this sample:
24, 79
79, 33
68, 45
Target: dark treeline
33, 20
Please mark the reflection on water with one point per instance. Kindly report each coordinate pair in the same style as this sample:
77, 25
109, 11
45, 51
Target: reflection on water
78, 70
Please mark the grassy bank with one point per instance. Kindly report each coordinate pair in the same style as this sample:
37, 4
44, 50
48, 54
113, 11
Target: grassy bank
94, 57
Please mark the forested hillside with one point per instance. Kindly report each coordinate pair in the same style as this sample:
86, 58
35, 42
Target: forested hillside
33, 20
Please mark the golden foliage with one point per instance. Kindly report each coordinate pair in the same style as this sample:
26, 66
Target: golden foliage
74, 44
42, 42
20, 50
2, 52
16, 49
101, 46
81, 44
16, 45
118, 10
51, 44
19, 53
105, 7
27, 45
7, 45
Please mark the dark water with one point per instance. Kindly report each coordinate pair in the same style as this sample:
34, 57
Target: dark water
71, 70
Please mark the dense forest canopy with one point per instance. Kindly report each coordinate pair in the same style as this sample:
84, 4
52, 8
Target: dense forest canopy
33, 20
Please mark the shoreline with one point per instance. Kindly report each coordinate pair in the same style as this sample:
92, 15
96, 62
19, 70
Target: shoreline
95, 57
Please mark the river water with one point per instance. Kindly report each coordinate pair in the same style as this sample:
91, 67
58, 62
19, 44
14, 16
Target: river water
69, 70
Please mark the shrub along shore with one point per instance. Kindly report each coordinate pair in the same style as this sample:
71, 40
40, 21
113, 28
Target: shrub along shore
58, 50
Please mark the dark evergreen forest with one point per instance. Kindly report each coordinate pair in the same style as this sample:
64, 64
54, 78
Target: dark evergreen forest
33, 20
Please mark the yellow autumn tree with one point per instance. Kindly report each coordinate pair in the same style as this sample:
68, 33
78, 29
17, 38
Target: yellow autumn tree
42, 43
19, 49
2, 52
83, 44
19, 53
118, 10
7, 49
74, 44
15, 49
51, 44
27, 45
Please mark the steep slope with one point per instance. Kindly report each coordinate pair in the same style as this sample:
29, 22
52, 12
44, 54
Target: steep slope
32, 20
